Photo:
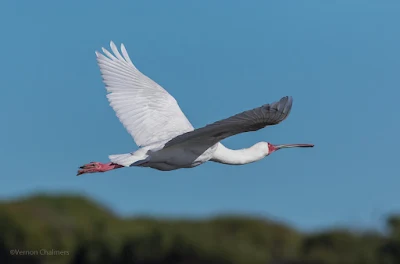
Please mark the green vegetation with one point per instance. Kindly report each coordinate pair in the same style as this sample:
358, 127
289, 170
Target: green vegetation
72, 229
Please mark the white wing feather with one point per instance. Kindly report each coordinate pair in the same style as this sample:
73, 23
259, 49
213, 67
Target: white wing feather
147, 111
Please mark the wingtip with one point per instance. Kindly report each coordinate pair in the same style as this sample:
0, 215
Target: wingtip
112, 45
288, 98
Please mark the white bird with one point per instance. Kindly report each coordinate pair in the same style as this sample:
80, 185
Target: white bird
165, 136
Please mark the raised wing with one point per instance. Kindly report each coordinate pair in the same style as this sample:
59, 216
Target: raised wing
251, 120
147, 111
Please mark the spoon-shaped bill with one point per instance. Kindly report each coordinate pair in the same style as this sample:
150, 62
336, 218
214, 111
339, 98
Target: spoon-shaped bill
293, 146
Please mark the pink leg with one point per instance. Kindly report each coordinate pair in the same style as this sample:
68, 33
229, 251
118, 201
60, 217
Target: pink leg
93, 167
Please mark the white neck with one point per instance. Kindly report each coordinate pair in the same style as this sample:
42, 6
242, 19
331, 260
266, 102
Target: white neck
240, 156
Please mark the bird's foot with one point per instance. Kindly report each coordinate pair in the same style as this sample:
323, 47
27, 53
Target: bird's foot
93, 167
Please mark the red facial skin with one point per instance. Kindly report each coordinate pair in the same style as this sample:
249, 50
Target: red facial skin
93, 167
271, 148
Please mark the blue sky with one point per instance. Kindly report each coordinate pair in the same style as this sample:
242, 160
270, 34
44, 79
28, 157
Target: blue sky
339, 60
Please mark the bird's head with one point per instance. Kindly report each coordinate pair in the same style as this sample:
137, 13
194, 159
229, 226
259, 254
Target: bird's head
272, 148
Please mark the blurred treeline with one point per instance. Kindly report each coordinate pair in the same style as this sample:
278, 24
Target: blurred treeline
93, 234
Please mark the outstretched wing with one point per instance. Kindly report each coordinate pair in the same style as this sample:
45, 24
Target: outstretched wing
147, 111
251, 120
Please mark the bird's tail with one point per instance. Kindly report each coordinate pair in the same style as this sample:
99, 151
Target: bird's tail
128, 159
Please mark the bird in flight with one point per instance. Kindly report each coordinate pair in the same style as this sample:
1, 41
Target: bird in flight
166, 139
